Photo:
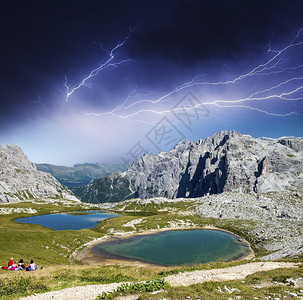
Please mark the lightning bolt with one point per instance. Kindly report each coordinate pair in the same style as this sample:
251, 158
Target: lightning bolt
107, 64
276, 64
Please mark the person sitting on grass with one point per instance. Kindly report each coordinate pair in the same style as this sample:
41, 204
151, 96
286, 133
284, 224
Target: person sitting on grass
9, 264
14, 266
21, 264
32, 266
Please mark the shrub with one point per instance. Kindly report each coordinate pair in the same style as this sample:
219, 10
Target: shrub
133, 288
20, 286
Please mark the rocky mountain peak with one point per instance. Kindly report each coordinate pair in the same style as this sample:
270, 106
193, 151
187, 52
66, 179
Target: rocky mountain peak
14, 156
20, 180
226, 161
292, 142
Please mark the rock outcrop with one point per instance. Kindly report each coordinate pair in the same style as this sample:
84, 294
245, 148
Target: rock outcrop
20, 180
227, 161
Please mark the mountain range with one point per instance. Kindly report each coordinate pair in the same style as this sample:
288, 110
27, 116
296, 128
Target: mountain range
226, 162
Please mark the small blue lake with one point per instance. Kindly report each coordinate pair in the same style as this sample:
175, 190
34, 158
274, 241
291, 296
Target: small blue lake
69, 221
170, 248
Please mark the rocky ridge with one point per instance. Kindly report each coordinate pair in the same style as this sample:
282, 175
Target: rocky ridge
276, 219
227, 161
20, 180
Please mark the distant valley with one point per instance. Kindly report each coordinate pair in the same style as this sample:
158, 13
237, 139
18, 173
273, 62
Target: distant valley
79, 174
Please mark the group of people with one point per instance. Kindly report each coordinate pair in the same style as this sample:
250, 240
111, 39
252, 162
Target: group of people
15, 266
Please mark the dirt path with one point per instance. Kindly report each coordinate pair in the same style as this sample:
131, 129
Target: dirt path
90, 292
87, 292
232, 273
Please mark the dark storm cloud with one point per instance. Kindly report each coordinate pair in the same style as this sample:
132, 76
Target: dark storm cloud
199, 30
42, 41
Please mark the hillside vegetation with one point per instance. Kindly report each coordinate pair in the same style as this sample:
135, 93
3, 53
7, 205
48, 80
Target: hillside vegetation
79, 174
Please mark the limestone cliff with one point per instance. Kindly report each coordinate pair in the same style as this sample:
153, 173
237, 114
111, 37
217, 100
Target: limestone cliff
227, 161
20, 180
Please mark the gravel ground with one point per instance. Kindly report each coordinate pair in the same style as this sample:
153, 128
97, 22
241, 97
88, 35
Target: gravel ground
86, 292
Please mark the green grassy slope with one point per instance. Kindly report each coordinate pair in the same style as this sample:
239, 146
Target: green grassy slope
79, 174
105, 189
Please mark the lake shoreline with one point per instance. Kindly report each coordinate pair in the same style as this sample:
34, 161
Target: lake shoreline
87, 255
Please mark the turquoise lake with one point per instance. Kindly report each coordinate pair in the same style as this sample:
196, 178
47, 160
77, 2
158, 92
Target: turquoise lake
170, 248
68, 221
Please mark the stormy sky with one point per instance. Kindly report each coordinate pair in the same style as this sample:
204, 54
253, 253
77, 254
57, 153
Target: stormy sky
106, 81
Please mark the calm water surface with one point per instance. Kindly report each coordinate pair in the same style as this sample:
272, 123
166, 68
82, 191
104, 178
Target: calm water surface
177, 247
68, 221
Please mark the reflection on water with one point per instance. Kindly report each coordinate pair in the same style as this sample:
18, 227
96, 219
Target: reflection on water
70, 221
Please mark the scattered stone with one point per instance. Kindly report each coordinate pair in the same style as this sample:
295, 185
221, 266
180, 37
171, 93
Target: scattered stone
227, 289
292, 294
10, 210
156, 292
291, 282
